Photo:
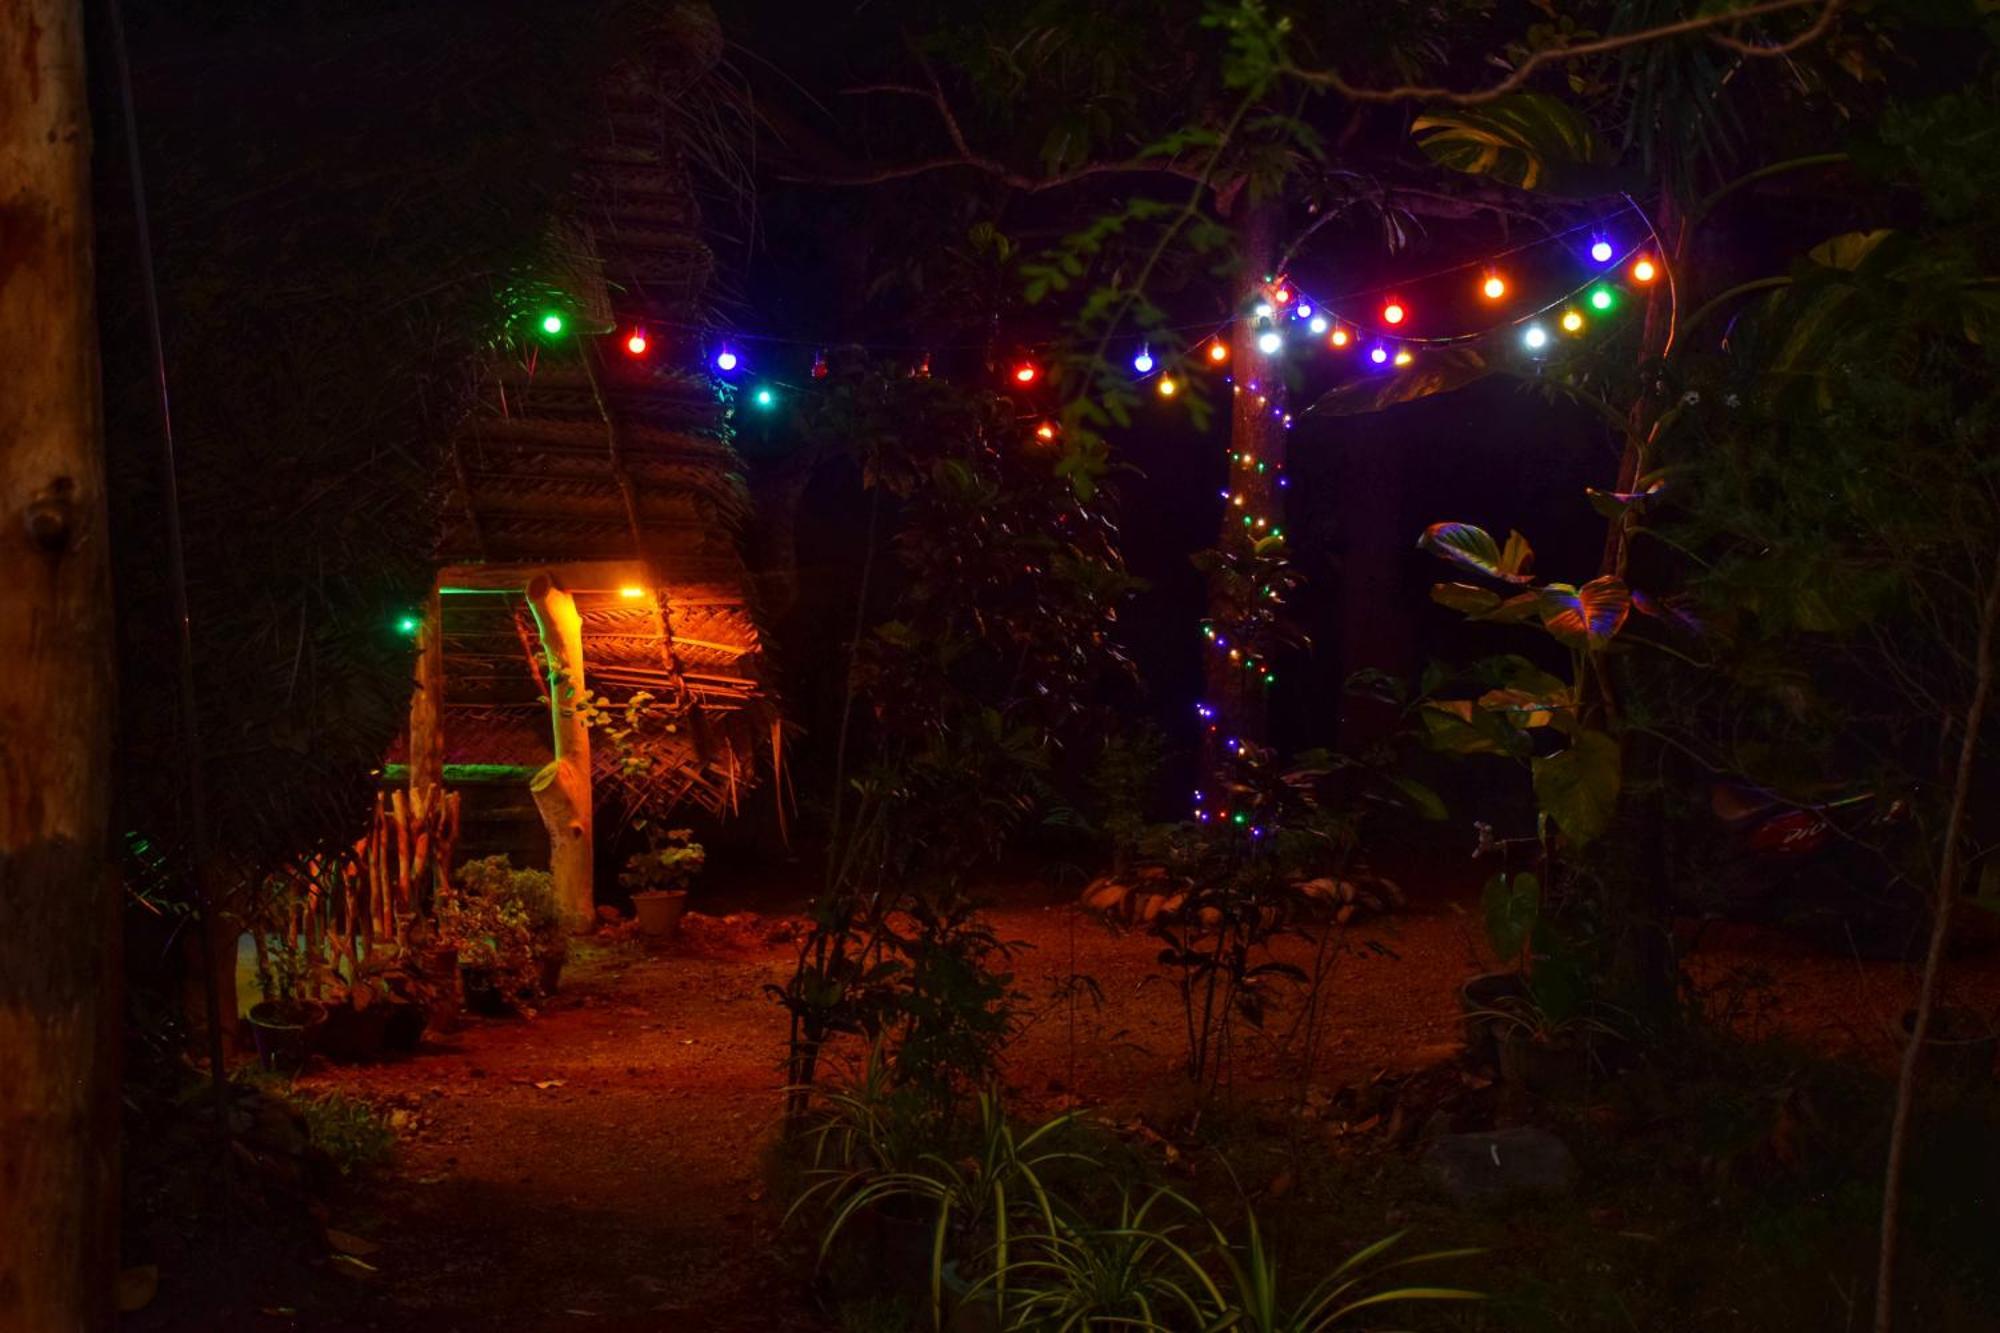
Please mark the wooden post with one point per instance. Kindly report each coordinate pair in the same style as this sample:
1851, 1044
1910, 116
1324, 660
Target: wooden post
59, 970
427, 701
562, 788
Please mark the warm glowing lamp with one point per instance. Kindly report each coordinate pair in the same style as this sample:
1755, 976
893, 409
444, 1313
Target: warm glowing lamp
1535, 337
1393, 313
1218, 351
1027, 373
1645, 271
1167, 386
631, 592
1494, 287
1340, 338
1403, 357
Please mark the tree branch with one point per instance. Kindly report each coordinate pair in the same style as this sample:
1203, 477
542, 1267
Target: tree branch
1576, 51
963, 156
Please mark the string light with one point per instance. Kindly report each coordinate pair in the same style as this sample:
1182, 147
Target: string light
1303, 311
553, 323
1340, 338
1269, 342
1601, 298
1535, 337
1167, 386
408, 625
1393, 313
635, 342
1027, 372
1572, 322
726, 360
1645, 271
631, 592
819, 365
1263, 310
1045, 431
1281, 294
1379, 354
1403, 357
1218, 351
1494, 287
1600, 251
1143, 363
764, 397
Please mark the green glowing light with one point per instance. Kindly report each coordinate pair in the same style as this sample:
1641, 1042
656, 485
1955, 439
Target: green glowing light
408, 624
1602, 299
1239, 818
764, 398
552, 323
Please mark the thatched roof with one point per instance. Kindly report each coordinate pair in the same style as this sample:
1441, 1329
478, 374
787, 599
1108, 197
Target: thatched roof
619, 472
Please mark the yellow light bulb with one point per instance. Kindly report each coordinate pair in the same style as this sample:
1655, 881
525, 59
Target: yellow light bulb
1167, 386
1572, 322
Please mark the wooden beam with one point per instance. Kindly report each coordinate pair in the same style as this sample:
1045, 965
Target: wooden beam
574, 575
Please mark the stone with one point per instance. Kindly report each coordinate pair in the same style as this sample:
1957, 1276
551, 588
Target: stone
1479, 1168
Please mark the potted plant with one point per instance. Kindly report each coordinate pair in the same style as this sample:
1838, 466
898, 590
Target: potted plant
358, 1018
282, 1022
503, 925
658, 879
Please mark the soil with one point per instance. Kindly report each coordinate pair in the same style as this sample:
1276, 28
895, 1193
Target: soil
600, 1166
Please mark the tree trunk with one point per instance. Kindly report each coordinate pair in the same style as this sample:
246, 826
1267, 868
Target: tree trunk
1257, 435
562, 789
58, 901
1950, 870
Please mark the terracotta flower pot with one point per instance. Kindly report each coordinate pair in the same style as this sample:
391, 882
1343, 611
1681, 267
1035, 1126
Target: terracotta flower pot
660, 911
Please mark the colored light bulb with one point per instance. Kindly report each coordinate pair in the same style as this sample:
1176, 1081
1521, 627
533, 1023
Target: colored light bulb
635, 342
1601, 298
552, 323
631, 592
819, 366
1645, 271
1269, 342
764, 397
408, 625
1379, 355
1340, 338
1494, 287
1167, 386
1393, 313
1304, 311
725, 360
1403, 357
1263, 310
1572, 322
1218, 351
1318, 324
1045, 431
1600, 251
1535, 337
1281, 294
1143, 363
1027, 372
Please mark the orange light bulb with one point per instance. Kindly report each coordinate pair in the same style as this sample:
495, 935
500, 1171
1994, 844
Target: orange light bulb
1494, 287
1340, 338
1645, 271
1218, 351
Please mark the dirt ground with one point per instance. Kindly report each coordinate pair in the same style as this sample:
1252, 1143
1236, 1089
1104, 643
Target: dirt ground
599, 1166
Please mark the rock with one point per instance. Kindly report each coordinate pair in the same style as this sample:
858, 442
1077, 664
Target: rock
1477, 1168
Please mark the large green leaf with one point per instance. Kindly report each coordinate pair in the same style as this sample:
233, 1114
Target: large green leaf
1465, 597
1526, 139
1510, 908
1587, 617
1849, 250
1434, 371
1472, 547
1578, 788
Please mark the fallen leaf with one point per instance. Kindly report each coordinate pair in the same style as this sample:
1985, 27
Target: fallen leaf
348, 1243
137, 1287
353, 1267
548, 1083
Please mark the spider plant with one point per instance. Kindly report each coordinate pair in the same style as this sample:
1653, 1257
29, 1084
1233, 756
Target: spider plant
1254, 1302
1132, 1274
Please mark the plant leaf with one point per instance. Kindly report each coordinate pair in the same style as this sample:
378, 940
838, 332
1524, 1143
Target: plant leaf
1470, 547
1578, 787
1586, 617
1529, 140
1510, 909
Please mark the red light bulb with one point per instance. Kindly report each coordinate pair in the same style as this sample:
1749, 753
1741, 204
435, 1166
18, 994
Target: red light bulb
635, 342
1393, 313
1027, 373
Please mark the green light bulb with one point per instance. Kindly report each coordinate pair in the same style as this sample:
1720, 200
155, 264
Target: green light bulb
764, 398
408, 624
1601, 299
552, 323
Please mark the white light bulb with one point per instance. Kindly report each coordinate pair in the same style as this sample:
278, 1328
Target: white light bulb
1269, 341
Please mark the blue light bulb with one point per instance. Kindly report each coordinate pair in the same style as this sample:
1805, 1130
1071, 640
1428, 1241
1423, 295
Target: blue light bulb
1143, 363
